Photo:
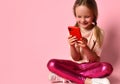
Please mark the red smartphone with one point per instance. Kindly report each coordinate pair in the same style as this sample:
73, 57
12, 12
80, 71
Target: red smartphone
75, 31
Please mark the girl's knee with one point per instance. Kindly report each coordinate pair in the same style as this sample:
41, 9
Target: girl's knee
51, 64
107, 68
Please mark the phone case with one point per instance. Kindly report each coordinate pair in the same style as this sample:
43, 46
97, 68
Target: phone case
75, 31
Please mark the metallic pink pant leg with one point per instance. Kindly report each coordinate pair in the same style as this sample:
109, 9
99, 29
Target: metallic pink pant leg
95, 70
65, 69
78, 72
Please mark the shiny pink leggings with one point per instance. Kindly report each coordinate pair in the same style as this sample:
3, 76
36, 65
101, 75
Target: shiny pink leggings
78, 72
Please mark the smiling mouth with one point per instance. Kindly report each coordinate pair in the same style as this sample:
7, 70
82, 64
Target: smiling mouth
84, 23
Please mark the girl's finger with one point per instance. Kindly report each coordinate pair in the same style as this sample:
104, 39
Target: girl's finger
80, 42
73, 43
69, 37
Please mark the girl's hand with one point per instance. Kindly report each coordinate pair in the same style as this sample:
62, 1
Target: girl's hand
72, 40
82, 42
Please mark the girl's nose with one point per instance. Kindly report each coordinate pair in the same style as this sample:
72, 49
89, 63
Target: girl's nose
82, 20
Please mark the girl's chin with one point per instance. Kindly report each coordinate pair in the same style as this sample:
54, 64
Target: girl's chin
84, 26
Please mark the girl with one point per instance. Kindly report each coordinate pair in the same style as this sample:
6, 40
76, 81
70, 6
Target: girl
86, 67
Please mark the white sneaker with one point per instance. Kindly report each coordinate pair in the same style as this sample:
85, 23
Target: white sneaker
100, 81
57, 79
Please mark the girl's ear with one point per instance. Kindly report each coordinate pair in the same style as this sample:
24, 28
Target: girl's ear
94, 21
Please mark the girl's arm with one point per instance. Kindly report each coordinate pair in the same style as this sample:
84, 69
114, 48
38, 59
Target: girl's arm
75, 53
91, 55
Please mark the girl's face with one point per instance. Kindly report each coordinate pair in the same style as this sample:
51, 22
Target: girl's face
84, 16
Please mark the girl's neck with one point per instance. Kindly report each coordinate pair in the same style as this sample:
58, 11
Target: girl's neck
86, 31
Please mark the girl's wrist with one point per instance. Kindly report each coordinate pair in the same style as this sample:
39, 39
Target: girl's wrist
86, 48
72, 46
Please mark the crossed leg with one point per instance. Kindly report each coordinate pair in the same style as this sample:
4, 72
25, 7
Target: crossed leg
79, 72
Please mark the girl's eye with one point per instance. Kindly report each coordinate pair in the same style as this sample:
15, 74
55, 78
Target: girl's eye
79, 16
84, 16
87, 16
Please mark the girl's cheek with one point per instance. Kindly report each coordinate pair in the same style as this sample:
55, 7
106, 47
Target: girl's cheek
78, 20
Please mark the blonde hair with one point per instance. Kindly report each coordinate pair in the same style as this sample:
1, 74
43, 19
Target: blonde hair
99, 34
91, 4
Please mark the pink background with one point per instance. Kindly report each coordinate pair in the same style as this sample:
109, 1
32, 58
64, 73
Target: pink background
34, 31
